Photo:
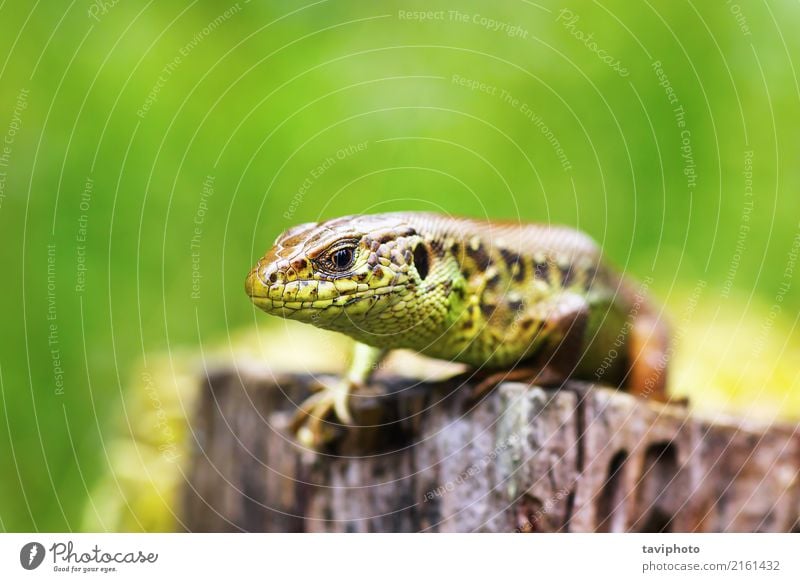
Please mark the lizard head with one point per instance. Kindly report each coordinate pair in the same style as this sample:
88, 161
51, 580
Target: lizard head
360, 275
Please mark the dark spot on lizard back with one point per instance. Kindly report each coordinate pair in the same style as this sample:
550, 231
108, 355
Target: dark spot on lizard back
514, 263
593, 276
493, 280
488, 309
385, 237
436, 246
567, 274
541, 270
392, 234
480, 256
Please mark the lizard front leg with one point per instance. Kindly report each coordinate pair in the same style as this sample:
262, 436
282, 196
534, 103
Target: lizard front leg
309, 421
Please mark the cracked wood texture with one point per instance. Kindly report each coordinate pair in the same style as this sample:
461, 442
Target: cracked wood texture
580, 458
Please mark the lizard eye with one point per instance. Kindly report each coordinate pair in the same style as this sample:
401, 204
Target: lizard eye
342, 258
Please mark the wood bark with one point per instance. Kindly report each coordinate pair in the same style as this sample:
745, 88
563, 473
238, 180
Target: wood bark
424, 457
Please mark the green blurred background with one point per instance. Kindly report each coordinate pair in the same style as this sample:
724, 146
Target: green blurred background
160, 148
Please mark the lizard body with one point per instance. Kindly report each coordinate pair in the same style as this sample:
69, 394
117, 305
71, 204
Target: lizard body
494, 295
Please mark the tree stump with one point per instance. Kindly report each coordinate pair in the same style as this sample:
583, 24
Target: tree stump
423, 457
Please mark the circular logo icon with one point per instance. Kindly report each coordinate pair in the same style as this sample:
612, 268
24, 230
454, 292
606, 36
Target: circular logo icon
31, 555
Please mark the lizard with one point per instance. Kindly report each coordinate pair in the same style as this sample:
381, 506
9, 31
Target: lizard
537, 299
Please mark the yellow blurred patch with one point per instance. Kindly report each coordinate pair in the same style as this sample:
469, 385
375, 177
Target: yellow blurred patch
739, 358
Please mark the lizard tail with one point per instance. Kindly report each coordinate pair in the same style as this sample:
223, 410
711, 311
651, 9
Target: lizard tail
649, 346
648, 353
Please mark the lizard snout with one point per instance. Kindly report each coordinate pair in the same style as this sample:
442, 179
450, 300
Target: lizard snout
260, 278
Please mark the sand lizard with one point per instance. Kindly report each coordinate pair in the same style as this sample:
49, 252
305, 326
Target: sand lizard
493, 295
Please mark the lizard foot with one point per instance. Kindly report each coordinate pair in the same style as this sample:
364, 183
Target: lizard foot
310, 422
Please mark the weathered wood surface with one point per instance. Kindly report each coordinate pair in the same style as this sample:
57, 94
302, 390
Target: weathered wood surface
524, 459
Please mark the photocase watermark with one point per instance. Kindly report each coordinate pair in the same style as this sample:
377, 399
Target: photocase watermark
744, 225
68, 559
519, 315
677, 338
510, 30
476, 85
569, 20
169, 69
528, 522
168, 447
318, 171
82, 235
687, 153
197, 234
474, 469
421, 15
6, 148
619, 341
783, 289
100, 8
523, 108
31, 555
738, 15
490, 24
53, 342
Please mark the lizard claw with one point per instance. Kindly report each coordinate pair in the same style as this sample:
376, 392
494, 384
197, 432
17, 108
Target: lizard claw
341, 398
309, 422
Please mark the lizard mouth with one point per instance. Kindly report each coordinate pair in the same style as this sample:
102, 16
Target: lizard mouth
342, 299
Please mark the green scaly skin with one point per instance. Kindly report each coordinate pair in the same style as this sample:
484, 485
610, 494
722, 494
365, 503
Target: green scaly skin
492, 295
